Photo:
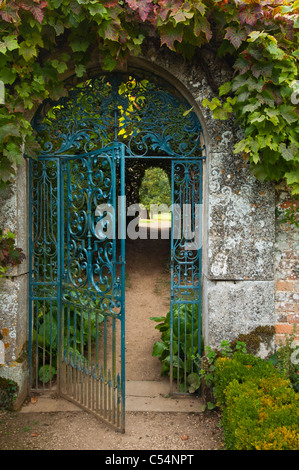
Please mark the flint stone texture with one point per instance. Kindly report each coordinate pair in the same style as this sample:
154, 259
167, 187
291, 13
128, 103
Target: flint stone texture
14, 285
13, 315
241, 221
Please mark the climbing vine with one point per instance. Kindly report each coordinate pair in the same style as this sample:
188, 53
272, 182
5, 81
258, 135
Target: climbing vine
40, 40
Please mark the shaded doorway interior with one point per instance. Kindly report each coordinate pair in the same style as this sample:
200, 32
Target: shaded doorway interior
148, 276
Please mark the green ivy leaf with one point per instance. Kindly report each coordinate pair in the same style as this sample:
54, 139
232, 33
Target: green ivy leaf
254, 35
59, 66
292, 178
257, 117
251, 107
97, 9
201, 24
158, 349
109, 63
9, 130
225, 88
27, 51
6, 169
169, 34
288, 113
13, 153
215, 103
194, 382
79, 45
9, 43
289, 153
235, 36
8, 76
80, 70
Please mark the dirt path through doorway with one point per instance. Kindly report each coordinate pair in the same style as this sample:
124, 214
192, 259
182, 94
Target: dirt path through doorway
147, 295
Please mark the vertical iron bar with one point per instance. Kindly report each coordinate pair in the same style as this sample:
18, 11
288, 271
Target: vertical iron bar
60, 263
123, 256
30, 320
36, 346
200, 256
171, 281
105, 367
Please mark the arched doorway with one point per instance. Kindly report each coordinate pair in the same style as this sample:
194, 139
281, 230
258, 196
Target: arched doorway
78, 228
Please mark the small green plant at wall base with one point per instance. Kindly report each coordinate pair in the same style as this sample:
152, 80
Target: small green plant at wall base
8, 391
207, 365
208, 361
184, 346
45, 336
286, 360
289, 216
10, 255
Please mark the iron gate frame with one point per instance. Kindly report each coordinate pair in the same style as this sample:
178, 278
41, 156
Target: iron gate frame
122, 153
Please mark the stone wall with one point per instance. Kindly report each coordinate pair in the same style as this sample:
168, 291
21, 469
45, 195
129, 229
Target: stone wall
14, 287
286, 268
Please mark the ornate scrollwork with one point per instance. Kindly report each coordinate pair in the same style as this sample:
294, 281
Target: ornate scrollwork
147, 115
90, 261
44, 220
186, 256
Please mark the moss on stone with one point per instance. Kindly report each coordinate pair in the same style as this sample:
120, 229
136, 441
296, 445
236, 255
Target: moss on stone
8, 392
254, 339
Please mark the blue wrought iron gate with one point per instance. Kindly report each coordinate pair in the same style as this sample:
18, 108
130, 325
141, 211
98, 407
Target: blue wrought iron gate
77, 283
77, 235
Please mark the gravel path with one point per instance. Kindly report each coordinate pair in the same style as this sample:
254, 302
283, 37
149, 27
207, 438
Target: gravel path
82, 431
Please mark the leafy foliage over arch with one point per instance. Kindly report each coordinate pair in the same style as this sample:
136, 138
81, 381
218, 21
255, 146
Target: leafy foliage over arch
41, 39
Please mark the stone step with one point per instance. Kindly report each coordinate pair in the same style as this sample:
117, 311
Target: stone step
154, 396
142, 396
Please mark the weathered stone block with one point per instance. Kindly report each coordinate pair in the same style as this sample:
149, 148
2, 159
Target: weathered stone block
18, 372
236, 307
13, 315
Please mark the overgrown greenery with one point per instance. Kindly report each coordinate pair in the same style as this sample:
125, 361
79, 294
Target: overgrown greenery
10, 255
258, 398
40, 40
81, 327
207, 366
155, 188
259, 408
184, 340
8, 393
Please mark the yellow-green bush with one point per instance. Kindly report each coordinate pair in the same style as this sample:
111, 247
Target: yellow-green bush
259, 412
241, 367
